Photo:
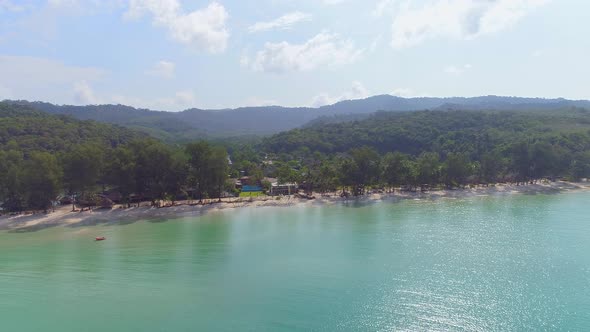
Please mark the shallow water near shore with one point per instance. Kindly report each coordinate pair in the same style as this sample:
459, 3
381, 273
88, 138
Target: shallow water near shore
515, 262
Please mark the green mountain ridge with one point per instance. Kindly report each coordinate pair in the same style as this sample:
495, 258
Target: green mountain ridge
195, 123
25, 129
441, 131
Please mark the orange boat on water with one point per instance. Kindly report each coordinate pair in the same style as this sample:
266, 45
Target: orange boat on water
100, 238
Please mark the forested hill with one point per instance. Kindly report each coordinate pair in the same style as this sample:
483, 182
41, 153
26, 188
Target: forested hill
44, 157
197, 123
430, 148
24, 129
162, 125
469, 132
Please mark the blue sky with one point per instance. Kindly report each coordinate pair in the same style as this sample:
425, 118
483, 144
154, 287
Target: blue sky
174, 54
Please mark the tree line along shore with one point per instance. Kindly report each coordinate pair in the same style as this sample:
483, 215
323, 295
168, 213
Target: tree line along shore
46, 158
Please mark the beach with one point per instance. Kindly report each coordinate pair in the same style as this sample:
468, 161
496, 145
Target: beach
64, 216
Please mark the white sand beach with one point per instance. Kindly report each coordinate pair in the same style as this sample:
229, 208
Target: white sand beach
63, 216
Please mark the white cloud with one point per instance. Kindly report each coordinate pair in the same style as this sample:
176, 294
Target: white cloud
43, 79
184, 98
333, 2
84, 94
164, 11
18, 69
325, 49
62, 3
357, 91
284, 22
204, 29
457, 70
458, 19
382, 7
163, 69
84, 7
9, 6
39, 23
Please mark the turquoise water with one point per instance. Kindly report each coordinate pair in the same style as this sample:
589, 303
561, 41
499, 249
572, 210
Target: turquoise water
510, 263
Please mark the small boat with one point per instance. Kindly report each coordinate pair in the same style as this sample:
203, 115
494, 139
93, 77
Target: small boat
100, 238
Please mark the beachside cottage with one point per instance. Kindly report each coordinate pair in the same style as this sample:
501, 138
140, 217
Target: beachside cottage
245, 181
277, 189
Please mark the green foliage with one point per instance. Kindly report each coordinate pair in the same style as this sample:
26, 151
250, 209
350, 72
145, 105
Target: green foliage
492, 165
394, 170
287, 174
469, 132
456, 169
579, 166
82, 167
158, 169
43, 156
218, 170
359, 169
195, 124
252, 194
327, 177
255, 173
120, 170
27, 130
475, 147
208, 168
429, 169
11, 188
41, 180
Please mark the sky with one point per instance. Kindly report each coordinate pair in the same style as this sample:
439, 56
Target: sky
173, 54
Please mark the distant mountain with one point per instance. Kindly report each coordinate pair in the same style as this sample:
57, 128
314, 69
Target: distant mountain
198, 123
163, 125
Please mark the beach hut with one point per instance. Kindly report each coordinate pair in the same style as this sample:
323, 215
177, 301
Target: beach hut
114, 195
106, 203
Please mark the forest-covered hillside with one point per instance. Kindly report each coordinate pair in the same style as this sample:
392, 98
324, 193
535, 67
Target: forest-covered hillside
25, 129
195, 123
470, 132
428, 148
44, 156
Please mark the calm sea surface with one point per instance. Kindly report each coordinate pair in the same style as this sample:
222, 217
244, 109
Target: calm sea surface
511, 263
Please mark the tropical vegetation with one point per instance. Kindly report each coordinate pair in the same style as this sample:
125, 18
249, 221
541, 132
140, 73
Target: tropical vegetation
44, 156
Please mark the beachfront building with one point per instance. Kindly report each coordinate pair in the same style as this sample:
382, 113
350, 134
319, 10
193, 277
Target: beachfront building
277, 189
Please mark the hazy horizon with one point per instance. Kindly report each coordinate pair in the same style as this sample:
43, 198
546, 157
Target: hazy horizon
297, 106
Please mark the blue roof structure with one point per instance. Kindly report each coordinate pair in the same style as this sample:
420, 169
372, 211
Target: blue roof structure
251, 189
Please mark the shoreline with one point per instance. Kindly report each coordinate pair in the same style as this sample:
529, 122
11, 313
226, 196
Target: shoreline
63, 216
